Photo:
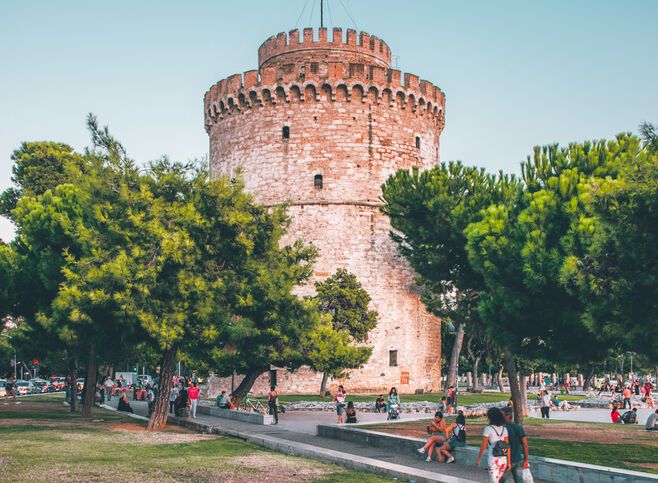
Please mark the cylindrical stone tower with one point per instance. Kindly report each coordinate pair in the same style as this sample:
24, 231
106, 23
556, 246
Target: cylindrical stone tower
322, 124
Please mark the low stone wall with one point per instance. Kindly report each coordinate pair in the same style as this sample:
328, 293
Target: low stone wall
427, 407
546, 469
244, 416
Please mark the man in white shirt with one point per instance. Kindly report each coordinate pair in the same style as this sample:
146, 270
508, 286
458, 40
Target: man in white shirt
109, 385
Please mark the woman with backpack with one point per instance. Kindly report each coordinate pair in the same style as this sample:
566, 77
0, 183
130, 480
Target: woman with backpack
456, 434
496, 439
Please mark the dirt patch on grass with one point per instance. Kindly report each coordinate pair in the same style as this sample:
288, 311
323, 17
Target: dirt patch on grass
31, 422
139, 437
649, 466
595, 433
126, 427
276, 467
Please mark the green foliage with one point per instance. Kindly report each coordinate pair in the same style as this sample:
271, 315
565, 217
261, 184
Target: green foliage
342, 297
269, 324
331, 351
649, 134
521, 248
347, 319
6, 275
614, 265
38, 167
429, 211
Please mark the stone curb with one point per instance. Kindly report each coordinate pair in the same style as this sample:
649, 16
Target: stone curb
346, 460
546, 469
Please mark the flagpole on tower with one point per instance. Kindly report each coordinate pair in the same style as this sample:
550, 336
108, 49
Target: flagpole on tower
321, 13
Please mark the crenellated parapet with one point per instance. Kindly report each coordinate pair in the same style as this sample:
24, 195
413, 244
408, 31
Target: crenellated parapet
328, 82
289, 47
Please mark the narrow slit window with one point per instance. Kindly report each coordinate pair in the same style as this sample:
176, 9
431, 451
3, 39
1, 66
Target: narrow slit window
393, 358
286, 132
317, 181
418, 142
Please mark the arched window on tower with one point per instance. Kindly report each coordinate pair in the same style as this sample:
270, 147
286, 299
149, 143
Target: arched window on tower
317, 181
285, 133
418, 142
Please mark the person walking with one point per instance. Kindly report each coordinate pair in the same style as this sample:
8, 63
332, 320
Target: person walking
193, 394
393, 398
172, 396
518, 447
496, 440
273, 403
109, 385
10, 389
339, 399
545, 405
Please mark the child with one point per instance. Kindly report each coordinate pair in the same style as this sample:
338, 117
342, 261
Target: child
437, 431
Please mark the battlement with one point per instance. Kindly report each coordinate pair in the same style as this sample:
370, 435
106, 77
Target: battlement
332, 73
285, 48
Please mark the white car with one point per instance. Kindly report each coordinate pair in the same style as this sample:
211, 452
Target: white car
22, 388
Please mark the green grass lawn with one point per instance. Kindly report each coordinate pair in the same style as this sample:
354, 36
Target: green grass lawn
619, 446
42, 441
464, 398
624, 456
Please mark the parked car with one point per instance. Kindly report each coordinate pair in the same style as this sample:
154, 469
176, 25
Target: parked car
58, 382
2, 388
22, 388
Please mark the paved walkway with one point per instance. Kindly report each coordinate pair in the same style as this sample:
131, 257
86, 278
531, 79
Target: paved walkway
293, 429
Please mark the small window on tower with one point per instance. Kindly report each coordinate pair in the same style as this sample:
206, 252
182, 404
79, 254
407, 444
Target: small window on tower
317, 181
393, 358
286, 132
418, 142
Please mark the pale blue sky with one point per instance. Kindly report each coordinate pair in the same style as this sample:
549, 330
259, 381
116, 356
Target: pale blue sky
515, 73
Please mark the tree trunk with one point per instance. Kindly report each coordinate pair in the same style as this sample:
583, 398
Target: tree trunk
510, 365
90, 383
158, 419
588, 378
73, 375
323, 384
246, 384
451, 380
476, 365
523, 379
499, 379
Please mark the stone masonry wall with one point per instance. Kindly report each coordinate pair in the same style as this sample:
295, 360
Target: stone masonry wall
353, 125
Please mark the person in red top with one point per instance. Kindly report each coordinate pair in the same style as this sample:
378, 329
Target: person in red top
193, 394
614, 414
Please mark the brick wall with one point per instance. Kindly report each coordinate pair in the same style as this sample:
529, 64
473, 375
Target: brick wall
354, 125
